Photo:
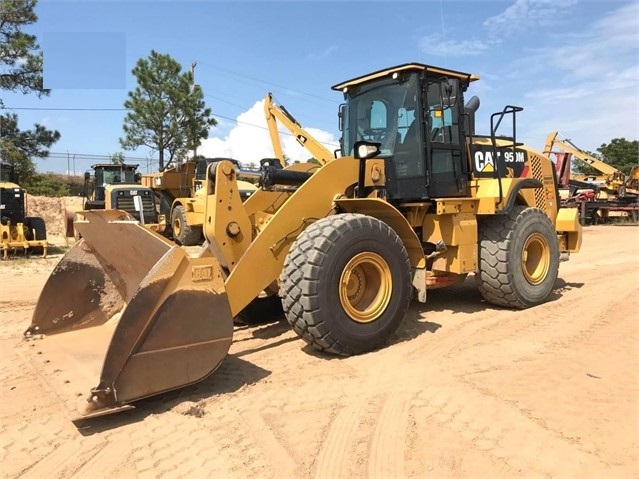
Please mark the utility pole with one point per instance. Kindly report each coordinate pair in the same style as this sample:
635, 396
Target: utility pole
193, 87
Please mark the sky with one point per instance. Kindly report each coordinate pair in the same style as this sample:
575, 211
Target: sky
573, 65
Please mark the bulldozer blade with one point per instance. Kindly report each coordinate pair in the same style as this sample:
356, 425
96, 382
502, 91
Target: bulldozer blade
174, 329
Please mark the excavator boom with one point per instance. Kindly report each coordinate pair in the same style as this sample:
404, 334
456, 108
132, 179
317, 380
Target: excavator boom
569, 147
274, 113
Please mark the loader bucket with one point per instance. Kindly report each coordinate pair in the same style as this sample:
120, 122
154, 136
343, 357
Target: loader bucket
128, 310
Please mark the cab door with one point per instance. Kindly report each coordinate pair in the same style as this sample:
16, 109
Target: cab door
445, 153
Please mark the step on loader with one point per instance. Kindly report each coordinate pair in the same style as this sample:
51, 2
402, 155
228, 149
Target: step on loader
416, 201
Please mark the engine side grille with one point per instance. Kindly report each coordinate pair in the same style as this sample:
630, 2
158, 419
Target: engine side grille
537, 173
124, 201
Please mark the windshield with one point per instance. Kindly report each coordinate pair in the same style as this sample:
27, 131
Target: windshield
381, 112
110, 176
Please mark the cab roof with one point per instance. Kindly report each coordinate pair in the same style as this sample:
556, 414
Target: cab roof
465, 78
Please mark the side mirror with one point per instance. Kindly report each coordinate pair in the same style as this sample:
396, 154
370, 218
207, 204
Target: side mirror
450, 93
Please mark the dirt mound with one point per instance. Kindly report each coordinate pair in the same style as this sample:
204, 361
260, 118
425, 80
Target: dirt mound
52, 211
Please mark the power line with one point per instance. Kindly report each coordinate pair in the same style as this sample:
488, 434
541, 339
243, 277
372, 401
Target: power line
235, 120
61, 109
245, 76
59, 154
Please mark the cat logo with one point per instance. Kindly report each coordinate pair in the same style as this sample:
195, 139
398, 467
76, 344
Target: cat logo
487, 159
484, 162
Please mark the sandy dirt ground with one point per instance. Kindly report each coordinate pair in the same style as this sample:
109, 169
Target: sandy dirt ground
465, 389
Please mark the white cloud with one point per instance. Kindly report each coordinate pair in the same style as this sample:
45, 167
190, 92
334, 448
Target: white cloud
435, 45
585, 83
249, 141
527, 14
322, 54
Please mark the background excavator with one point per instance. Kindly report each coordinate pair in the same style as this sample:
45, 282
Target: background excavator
596, 196
416, 201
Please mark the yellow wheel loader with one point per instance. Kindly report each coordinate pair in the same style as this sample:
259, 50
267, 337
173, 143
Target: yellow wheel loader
180, 191
416, 201
17, 230
116, 186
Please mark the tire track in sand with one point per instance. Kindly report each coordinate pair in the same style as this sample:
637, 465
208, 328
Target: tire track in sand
389, 439
333, 458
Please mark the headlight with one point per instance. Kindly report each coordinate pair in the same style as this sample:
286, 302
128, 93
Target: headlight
366, 150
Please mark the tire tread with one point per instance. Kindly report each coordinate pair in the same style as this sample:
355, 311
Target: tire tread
299, 284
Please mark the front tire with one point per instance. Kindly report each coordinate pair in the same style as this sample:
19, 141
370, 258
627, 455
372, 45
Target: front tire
518, 258
183, 233
346, 284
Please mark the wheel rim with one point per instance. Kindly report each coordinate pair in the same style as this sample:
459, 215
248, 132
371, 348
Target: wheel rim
177, 227
365, 287
535, 258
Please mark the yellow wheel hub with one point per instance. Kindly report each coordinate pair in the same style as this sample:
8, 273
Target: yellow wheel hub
176, 227
365, 287
535, 258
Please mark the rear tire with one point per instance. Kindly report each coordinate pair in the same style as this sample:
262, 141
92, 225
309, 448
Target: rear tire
40, 228
518, 258
346, 284
183, 233
36, 225
36, 230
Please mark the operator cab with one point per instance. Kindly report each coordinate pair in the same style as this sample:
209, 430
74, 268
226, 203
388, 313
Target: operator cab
108, 174
415, 113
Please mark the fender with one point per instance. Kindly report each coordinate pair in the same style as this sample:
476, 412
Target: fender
390, 215
487, 191
525, 183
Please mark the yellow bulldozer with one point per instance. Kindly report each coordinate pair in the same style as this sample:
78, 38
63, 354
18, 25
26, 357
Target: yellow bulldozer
17, 230
416, 201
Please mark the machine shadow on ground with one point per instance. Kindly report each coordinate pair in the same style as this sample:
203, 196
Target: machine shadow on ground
233, 374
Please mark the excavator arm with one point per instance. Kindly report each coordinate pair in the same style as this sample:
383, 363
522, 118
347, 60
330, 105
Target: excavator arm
568, 147
274, 113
